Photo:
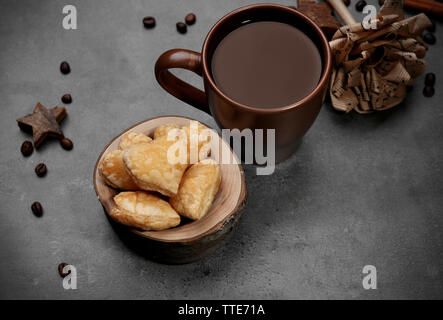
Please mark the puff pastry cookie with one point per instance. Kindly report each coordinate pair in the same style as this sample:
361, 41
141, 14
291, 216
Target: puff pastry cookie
150, 168
164, 129
197, 190
168, 135
197, 135
197, 140
143, 210
131, 138
112, 170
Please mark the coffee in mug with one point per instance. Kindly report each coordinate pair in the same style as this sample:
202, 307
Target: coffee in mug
266, 64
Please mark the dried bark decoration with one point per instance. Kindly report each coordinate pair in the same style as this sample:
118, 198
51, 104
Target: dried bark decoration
373, 67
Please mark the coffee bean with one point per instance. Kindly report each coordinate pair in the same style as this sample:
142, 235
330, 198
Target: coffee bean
37, 209
430, 79
181, 27
66, 98
360, 5
431, 28
149, 22
40, 169
429, 38
190, 19
65, 68
347, 2
60, 269
381, 2
27, 148
428, 91
66, 144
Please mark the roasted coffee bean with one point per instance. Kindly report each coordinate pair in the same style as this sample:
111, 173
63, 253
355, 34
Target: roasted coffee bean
190, 19
149, 22
65, 68
60, 269
181, 27
360, 5
431, 28
66, 144
40, 169
429, 38
381, 2
428, 91
27, 148
430, 79
37, 209
347, 2
66, 98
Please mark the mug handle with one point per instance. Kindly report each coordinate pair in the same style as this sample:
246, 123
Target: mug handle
185, 59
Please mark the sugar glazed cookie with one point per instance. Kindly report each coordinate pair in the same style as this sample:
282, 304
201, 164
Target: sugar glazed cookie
163, 130
131, 138
150, 168
197, 189
197, 137
159, 166
143, 210
113, 172
199, 141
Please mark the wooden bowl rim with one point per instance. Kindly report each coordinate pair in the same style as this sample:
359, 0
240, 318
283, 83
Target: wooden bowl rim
151, 234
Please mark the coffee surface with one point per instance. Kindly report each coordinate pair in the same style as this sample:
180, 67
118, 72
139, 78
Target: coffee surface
266, 64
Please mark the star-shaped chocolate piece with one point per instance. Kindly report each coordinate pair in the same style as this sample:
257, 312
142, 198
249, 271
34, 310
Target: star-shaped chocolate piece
43, 123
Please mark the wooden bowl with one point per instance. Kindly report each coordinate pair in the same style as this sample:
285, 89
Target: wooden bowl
190, 241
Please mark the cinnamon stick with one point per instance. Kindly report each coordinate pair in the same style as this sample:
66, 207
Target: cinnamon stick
428, 6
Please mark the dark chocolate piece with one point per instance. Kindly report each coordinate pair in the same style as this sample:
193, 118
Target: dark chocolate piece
43, 123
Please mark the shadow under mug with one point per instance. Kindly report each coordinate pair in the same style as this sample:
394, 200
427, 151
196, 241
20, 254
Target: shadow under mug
290, 122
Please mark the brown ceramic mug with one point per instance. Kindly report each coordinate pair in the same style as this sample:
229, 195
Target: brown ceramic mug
290, 122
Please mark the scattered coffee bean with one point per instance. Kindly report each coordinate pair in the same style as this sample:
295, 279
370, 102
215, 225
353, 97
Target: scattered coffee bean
27, 148
66, 98
429, 38
428, 91
40, 170
190, 19
61, 266
37, 209
66, 143
181, 27
431, 28
65, 68
347, 2
149, 22
430, 79
360, 5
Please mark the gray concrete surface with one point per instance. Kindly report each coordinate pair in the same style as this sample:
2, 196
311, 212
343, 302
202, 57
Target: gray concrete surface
361, 189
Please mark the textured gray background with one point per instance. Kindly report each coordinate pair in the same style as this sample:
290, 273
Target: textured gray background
360, 190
